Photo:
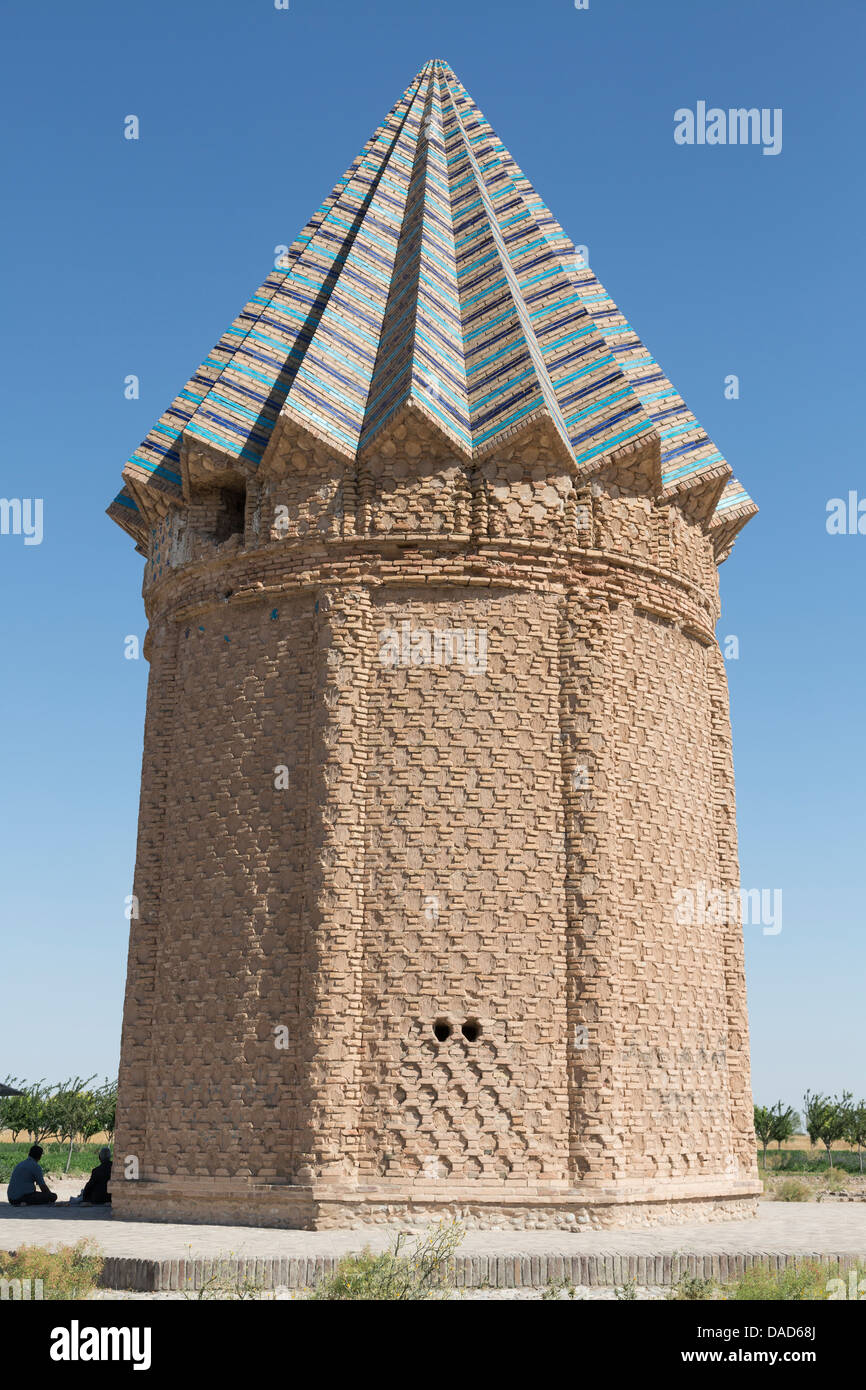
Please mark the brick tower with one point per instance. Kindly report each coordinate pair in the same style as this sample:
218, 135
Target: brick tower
437, 739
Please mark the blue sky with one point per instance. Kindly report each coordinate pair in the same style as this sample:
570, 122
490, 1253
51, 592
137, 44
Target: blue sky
125, 257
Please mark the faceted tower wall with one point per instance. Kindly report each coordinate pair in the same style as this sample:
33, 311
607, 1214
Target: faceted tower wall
432, 747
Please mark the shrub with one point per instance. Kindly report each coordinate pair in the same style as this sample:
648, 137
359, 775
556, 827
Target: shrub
226, 1284
557, 1288
416, 1271
71, 1272
792, 1191
809, 1282
689, 1287
835, 1181
799, 1283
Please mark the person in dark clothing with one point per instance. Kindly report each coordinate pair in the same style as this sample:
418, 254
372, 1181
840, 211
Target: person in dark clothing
26, 1177
96, 1187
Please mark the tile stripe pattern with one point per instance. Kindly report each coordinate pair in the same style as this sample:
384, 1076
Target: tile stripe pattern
433, 274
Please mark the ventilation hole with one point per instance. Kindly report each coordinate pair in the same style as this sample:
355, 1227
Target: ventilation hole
471, 1029
441, 1030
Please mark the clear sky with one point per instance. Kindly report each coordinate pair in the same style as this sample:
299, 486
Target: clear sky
130, 257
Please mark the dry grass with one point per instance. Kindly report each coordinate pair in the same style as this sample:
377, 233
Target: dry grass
6, 1138
803, 1142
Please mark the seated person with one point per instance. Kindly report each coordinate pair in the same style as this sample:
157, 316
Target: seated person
26, 1177
96, 1187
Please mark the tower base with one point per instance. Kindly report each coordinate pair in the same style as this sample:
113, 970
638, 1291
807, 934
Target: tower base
334, 1206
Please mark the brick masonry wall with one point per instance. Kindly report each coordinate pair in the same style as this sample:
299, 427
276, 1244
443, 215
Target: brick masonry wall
491, 840
229, 893
466, 912
667, 1028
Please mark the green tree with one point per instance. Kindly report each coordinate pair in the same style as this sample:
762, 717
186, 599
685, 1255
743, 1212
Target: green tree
37, 1116
855, 1128
13, 1109
106, 1102
826, 1119
816, 1109
764, 1120
785, 1123
72, 1110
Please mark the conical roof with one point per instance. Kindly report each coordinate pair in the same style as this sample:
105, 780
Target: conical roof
434, 279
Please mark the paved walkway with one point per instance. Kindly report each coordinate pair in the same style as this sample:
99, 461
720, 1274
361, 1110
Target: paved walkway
153, 1255
781, 1227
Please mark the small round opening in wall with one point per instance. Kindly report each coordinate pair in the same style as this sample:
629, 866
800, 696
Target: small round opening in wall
471, 1029
441, 1030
